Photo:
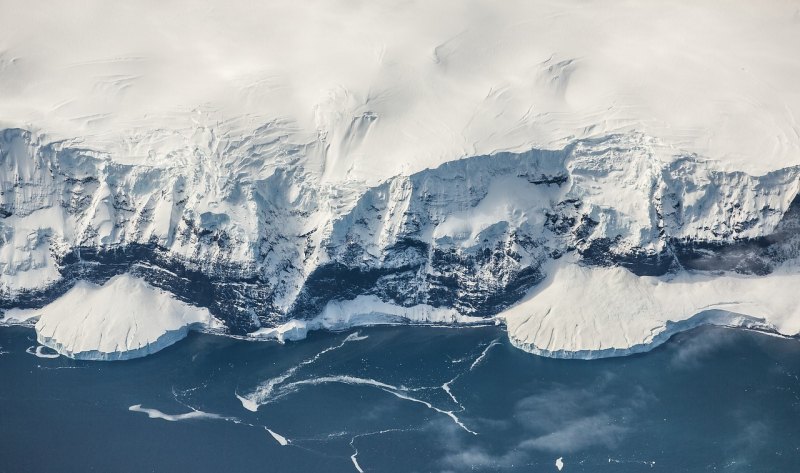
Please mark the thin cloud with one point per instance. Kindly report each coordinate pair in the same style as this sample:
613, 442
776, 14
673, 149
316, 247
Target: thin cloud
692, 348
579, 434
555, 420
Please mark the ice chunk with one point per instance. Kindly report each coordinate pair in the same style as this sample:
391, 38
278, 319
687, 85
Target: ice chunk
278, 437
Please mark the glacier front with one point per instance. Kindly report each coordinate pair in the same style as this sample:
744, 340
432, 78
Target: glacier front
125, 318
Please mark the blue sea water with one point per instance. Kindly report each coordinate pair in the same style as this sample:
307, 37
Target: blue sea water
403, 399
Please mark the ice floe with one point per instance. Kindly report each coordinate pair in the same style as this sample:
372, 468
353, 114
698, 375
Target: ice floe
283, 441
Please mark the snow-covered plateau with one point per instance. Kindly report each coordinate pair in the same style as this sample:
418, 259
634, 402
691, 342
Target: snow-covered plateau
595, 176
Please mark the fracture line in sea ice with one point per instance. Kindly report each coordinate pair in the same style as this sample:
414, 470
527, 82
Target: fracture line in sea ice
354, 456
198, 414
480, 358
38, 352
277, 387
446, 387
355, 462
450, 414
194, 414
651, 464
262, 394
355, 381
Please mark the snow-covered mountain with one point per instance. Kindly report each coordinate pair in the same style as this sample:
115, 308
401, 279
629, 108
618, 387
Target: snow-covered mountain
593, 187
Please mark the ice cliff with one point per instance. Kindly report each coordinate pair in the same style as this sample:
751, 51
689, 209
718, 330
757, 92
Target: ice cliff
462, 242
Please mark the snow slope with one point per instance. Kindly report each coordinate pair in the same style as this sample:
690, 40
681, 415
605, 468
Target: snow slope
396, 87
125, 318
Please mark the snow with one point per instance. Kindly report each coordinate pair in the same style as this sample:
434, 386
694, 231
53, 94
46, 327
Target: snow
363, 311
19, 316
508, 199
25, 259
593, 312
289, 331
125, 318
370, 310
395, 88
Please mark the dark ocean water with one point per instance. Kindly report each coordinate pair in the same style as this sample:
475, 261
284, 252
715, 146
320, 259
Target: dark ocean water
709, 400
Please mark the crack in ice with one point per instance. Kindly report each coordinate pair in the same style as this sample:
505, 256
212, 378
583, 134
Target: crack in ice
649, 463
450, 414
277, 388
480, 358
446, 387
263, 392
197, 414
193, 414
354, 456
290, 388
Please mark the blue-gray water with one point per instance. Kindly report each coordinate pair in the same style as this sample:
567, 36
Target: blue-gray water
709, 400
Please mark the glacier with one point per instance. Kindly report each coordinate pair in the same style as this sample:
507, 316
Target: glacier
593, 188
508, 238
125, 318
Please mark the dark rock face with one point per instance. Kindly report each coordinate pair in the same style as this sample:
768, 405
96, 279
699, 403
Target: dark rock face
228, 292
757, 256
